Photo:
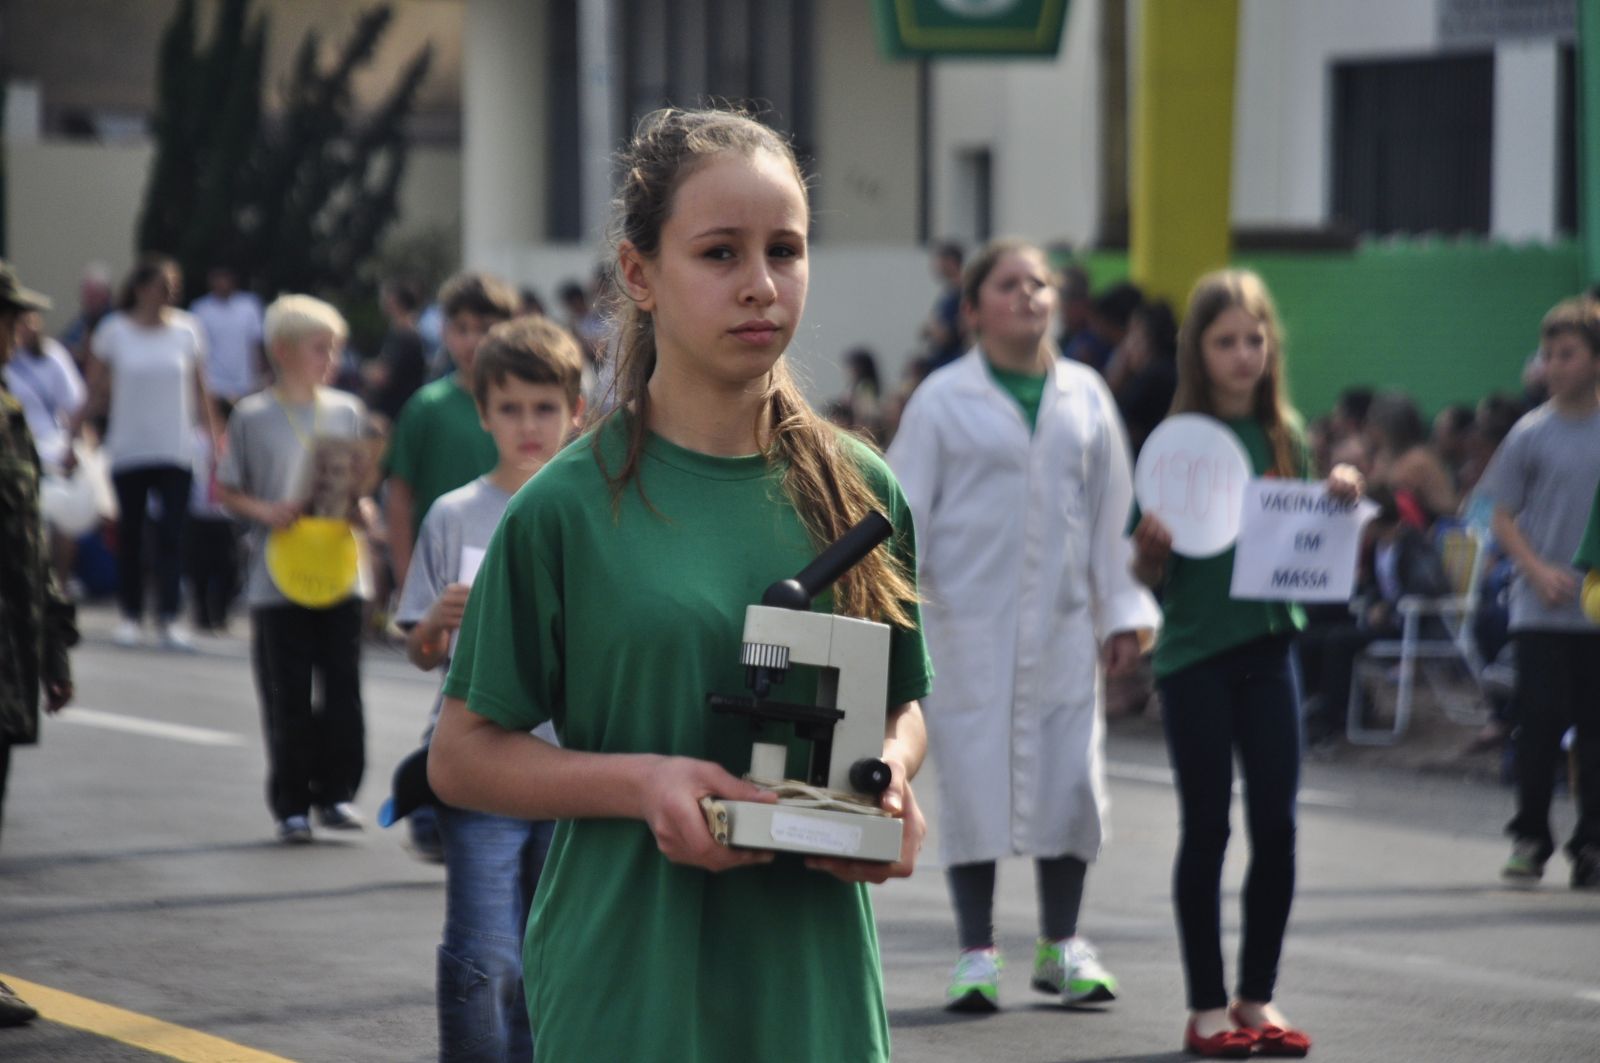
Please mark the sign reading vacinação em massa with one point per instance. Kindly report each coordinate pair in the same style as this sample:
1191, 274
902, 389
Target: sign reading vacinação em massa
993, 28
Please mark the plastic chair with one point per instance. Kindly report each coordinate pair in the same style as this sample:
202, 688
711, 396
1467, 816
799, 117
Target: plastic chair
1463, 551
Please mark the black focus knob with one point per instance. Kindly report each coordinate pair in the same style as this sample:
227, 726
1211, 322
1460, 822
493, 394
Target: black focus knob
870, 776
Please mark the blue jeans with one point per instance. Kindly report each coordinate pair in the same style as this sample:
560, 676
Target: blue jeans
492, 865
1244, 700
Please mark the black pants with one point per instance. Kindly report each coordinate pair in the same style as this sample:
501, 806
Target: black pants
315, 754
1558, 686
213, 564
1242, 699
171, 486
5, 774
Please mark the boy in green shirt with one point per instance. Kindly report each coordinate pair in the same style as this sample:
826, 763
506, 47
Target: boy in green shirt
439, 443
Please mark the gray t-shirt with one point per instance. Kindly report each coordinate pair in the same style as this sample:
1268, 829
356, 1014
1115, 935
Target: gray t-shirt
267, 457
1545, 475
458, 522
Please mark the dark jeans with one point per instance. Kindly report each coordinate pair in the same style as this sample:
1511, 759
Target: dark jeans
315, 754
213, 557
492, 866
5, 774
1558, 686
171, 486
1242, 699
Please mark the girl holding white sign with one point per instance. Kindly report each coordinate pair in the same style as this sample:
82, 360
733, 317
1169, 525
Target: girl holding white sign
1226, 680
1016, 467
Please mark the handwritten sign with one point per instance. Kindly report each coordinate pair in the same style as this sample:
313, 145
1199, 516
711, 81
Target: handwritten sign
1297, 543
1191, 474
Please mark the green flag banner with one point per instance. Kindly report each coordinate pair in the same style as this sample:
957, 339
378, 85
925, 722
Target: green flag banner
988, 28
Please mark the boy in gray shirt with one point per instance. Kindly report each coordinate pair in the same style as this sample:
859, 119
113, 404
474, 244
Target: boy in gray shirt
1541, 482
269, 475
525, 382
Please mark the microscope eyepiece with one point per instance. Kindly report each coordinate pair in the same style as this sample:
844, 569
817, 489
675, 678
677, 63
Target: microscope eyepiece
832, 563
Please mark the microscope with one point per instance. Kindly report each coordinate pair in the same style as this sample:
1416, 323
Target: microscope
834, 810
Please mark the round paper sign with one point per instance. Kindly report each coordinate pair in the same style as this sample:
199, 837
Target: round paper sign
1191, 474
314, 561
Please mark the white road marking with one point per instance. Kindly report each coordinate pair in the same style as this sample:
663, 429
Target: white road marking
177, 732
1117, 769
1591, 995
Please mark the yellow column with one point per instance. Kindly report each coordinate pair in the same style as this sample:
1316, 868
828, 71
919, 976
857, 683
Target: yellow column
1182, 164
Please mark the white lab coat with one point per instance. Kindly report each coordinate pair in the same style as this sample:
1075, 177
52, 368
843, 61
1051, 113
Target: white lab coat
1023, 564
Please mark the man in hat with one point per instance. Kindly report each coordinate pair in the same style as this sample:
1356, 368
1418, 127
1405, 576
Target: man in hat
36, 620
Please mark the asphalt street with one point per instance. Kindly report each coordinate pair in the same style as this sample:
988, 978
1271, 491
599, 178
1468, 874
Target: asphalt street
138, 870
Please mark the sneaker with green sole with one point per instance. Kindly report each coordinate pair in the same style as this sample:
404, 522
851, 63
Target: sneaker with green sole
1071, 969
975, 982
1526, 862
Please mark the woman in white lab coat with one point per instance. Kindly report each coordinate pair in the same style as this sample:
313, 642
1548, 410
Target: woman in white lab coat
1016, 467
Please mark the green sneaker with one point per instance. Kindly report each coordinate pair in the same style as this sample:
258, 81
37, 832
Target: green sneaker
1526, 862
975, 982
1070, 968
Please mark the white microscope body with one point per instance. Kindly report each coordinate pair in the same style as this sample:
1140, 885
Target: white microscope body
834, 811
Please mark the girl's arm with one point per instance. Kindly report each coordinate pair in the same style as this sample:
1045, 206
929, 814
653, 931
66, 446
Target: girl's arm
1152, 546
475, 763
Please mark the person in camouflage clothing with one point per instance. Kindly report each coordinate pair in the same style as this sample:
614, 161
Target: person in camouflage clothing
36, 621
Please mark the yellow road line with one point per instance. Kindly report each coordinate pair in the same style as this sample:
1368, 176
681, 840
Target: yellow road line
131, 1028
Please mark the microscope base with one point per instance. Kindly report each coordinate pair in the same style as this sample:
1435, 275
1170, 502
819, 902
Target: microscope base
811, 831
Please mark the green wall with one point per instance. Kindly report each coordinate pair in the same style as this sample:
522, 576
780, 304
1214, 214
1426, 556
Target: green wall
1444, 321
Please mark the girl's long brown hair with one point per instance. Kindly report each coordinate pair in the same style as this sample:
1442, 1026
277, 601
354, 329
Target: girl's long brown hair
823, 480
1214, 294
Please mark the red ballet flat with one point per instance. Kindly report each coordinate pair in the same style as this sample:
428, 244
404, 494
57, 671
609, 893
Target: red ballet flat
1275, 1040
1229, 1044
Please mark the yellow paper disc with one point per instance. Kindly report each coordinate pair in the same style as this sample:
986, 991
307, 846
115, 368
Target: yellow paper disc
314, 561
1591, 595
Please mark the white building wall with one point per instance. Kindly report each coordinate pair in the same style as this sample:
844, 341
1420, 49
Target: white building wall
866, 113
1526, 116
503, 126
69, 204
1040, 120
873, 295
1283, 113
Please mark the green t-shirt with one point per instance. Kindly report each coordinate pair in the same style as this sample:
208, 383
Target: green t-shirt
439, 445
1588, 556
1026, 388
616, 623
1199, 618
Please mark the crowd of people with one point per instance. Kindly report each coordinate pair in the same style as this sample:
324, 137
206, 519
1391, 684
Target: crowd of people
569, 753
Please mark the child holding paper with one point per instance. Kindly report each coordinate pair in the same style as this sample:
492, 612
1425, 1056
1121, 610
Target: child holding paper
525, 382
1226, 680
316, 755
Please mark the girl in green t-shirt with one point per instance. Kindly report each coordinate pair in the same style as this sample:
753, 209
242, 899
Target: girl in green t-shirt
611, 601
1227, 683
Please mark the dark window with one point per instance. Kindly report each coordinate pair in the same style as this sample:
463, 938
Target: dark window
1412, 144
564, 218
1567, 142
751, 52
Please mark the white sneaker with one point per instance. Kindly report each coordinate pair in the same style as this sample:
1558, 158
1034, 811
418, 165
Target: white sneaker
975, 982
343, 815
175, 638
128, 634
1071, 968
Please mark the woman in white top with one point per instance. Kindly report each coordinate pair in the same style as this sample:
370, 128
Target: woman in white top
146, 363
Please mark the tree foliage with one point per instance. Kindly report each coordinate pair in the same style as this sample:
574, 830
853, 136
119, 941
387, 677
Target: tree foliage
296, 200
